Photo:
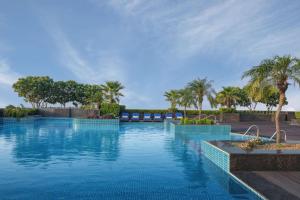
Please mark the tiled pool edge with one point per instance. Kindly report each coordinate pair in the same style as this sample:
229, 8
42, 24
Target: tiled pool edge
104, 124
213, 153
177, 128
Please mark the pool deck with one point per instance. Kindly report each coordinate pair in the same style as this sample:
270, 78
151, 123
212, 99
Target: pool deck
275, 185
268, 129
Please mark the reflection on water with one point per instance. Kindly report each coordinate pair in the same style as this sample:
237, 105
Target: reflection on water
40, 141
136, 161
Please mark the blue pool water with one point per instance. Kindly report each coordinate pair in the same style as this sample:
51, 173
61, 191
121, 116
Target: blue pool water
57, 159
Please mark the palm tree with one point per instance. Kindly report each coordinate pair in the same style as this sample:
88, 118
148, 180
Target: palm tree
254, 95
200, 89
228, 96
186, 99
112, 91
173, 97
277, 71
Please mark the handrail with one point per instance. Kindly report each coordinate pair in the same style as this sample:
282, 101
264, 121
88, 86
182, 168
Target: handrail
257, 130
283, 131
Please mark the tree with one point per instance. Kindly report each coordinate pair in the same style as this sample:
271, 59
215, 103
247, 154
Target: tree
271, 97
173, 97
60, 93
35, 89
228, 97
112, 91
254, 96
202, 88
277, 71
244, 100
186, 99
93, 95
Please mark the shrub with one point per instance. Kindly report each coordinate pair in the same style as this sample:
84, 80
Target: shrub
19, 112
252, 143
227, 110
107, 109
187, 121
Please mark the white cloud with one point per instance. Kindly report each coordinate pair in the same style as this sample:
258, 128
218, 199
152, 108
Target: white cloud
134, 100
107, 66
7, 75
237, 28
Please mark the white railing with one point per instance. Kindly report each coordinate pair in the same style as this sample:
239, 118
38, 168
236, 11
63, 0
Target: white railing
250, 127
282, 131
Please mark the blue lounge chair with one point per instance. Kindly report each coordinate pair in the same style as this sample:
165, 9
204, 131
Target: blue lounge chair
178, 115
157, 117
147, 117
135, 117
169, 116
124, 117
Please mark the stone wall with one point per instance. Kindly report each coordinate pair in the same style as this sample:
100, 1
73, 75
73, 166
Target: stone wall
229, 117
67, 112
247, 116
267, 160
1, 112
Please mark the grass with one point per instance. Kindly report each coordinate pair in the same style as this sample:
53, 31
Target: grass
297, 115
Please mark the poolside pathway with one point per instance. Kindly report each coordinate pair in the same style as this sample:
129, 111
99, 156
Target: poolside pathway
268, 129
275, 185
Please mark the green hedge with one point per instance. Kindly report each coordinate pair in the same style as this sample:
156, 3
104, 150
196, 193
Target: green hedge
186, 121
19, 112
227, 110
163, 111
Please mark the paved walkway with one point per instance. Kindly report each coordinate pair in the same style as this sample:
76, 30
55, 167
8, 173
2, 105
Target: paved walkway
268, 129
274, 185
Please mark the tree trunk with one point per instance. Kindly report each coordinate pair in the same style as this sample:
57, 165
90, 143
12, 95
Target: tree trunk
184, 112
200, 109
255, 104
277, 116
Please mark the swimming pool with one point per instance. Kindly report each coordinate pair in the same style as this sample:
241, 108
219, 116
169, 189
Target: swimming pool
53, 159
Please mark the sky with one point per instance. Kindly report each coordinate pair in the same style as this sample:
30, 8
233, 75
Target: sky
149, 46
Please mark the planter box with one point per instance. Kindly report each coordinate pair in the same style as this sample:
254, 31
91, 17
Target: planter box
231, 158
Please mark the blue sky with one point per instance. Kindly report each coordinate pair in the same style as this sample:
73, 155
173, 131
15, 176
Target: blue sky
150, 46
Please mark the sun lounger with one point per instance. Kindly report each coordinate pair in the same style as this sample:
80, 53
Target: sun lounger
147, 117
124, 117
178, 115
135, 117
169, 116
157, 117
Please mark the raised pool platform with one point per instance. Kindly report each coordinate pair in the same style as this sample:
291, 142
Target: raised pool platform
255, 160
